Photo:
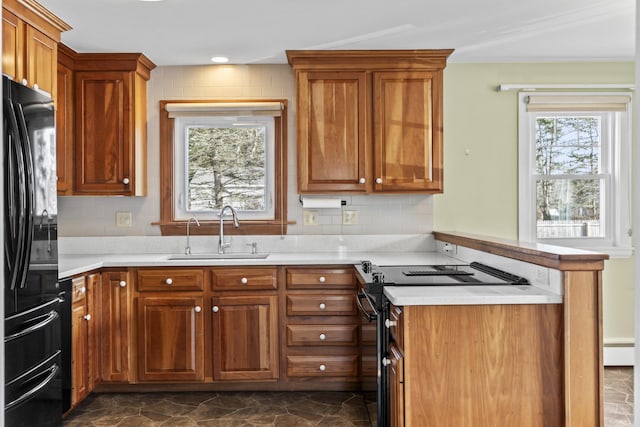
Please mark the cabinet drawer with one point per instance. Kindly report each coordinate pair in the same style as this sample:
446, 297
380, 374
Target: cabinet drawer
321, 305
320, 278
170, 280
236, 279
322, 335
321, 366
78, 289
396, 326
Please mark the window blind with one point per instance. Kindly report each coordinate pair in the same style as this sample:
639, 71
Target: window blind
585, 103
200, 109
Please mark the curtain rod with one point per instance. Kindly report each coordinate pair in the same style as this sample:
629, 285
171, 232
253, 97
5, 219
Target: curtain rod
532, 87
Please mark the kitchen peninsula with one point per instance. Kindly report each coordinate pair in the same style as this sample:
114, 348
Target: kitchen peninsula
286, 296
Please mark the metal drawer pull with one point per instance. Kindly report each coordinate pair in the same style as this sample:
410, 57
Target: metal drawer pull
215, 309
125, 181
378, 180
386, 362
244, 280
322, 279
322, 306
197, 309
323, 337
362, 180
323, 368
169, 281
389, 323
87, 317
83, 290
122, 283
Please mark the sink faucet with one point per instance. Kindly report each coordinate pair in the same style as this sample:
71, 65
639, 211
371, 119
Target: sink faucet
187, 249
221, 244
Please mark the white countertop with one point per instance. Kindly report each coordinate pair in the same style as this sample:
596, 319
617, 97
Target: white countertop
71, 265
470, 295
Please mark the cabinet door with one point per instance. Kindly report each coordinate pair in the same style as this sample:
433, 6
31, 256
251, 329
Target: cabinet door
64, 130
407, 120
93, 300
42, 61
332, 130
170, 338
396, 387
102, 139
13, 46
245, 337
79, 352
114, 322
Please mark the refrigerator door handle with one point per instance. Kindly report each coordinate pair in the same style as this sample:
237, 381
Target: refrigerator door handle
47, 318
16, 198
53, 371
29, 192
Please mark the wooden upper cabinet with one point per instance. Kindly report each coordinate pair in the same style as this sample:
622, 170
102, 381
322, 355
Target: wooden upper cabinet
110, 126
331, 142
407, 131
30, 35
369, 121
64, 122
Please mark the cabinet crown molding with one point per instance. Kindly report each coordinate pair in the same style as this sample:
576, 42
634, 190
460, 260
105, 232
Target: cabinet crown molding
369, 59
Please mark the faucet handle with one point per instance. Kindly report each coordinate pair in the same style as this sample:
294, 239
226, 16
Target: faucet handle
254, 247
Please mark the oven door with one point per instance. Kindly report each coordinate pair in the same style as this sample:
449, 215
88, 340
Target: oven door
373, 339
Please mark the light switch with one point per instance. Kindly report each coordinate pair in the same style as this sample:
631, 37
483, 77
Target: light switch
310, 217
124, 219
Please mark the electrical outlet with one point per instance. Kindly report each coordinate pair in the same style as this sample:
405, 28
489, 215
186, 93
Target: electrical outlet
310, 217
349, 217
450, 248
124, 219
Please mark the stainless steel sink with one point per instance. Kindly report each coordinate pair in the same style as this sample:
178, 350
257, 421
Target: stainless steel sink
218, 256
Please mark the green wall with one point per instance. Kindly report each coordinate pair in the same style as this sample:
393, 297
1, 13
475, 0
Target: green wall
481, 161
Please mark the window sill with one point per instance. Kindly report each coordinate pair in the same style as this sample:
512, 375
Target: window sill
179, 228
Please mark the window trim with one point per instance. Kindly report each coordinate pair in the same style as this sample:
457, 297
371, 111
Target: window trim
617, 242
170, 226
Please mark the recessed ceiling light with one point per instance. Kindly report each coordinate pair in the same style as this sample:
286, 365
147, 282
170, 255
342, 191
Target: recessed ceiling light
219, 59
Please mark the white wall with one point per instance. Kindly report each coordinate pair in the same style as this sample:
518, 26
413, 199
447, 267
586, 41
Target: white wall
95, 216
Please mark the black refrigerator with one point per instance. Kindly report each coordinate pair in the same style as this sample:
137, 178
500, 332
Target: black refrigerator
32, 295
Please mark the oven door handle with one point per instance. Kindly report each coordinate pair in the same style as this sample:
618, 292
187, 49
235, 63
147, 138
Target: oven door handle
371, 316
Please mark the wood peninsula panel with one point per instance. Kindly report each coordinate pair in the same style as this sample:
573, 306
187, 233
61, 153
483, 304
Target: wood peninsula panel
483, 365
582, 359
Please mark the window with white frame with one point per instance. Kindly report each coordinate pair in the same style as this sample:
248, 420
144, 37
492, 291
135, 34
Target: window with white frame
224, 154
574, 170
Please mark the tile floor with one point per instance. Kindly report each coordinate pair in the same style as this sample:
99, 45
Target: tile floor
280, 409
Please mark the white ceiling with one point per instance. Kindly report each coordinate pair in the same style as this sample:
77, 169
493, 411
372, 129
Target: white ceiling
189, 32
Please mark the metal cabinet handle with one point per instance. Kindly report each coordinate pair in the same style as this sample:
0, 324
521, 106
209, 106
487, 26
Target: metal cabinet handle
323, 337
215, 309
389, 323
169, 281
244, 280
122, 283
322, 279
125, 181
322, 306
87, 317
362, 180
83, 290
386, 362
378, 180
323, 368
197, 309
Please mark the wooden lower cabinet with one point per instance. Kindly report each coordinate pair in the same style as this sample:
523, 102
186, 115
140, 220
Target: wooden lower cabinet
472, 365
245, 337
84, 337
396, 386
170, 340
115, 325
